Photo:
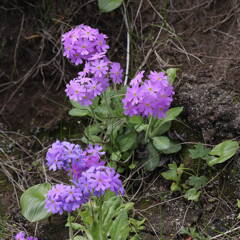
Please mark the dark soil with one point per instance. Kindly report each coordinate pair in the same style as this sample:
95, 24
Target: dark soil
202, 39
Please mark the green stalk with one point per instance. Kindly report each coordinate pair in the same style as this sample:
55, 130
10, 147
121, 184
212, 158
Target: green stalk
70, 227
107, 103
148, 129
101, 237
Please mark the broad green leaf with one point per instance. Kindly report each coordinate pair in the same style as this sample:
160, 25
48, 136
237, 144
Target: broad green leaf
109, 5
171, 174
174, 173
192, 194
153, 159
160, 130
171, 115
109, 209
120, 227
199, 151
173, 148
135, 120
161, 143
141, 127
172, 74
92, 130
102, 111
222, 152
91, 139
197, 182
32, 202
76, 112
127, 141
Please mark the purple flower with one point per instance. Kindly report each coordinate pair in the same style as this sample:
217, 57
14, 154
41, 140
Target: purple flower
20, 236
70, 157
137, 80
82, 43
84, 89
99, 68
62, 198
61, 154
97, 180
151, 97
116, 72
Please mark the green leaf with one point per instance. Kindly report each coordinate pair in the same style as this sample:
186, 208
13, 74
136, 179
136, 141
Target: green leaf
32, 202
171, 115
120, 227
173, 148
92, 130
161, 143
238, 203
192, 194
172, 74
135, 120
75, 226
91, 139
197, 182
141, 127
161, 130
127, 141
80, 238
102, 111
109, 5
77, 105
114, 126
174, 173
199, 151
175, 187
111, 207
222, 152
76, 112
153, 158
116, 156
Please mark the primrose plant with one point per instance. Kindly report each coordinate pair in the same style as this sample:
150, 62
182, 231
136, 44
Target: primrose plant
92, 198
124, 117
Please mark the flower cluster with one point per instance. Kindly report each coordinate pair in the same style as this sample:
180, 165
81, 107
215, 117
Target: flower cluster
71, 158
89, 176
97, 180
62, 198
61, 154
151, 97
21, 236
84, 44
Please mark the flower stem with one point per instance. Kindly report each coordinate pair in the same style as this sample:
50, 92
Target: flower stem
70, 227
148, 129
